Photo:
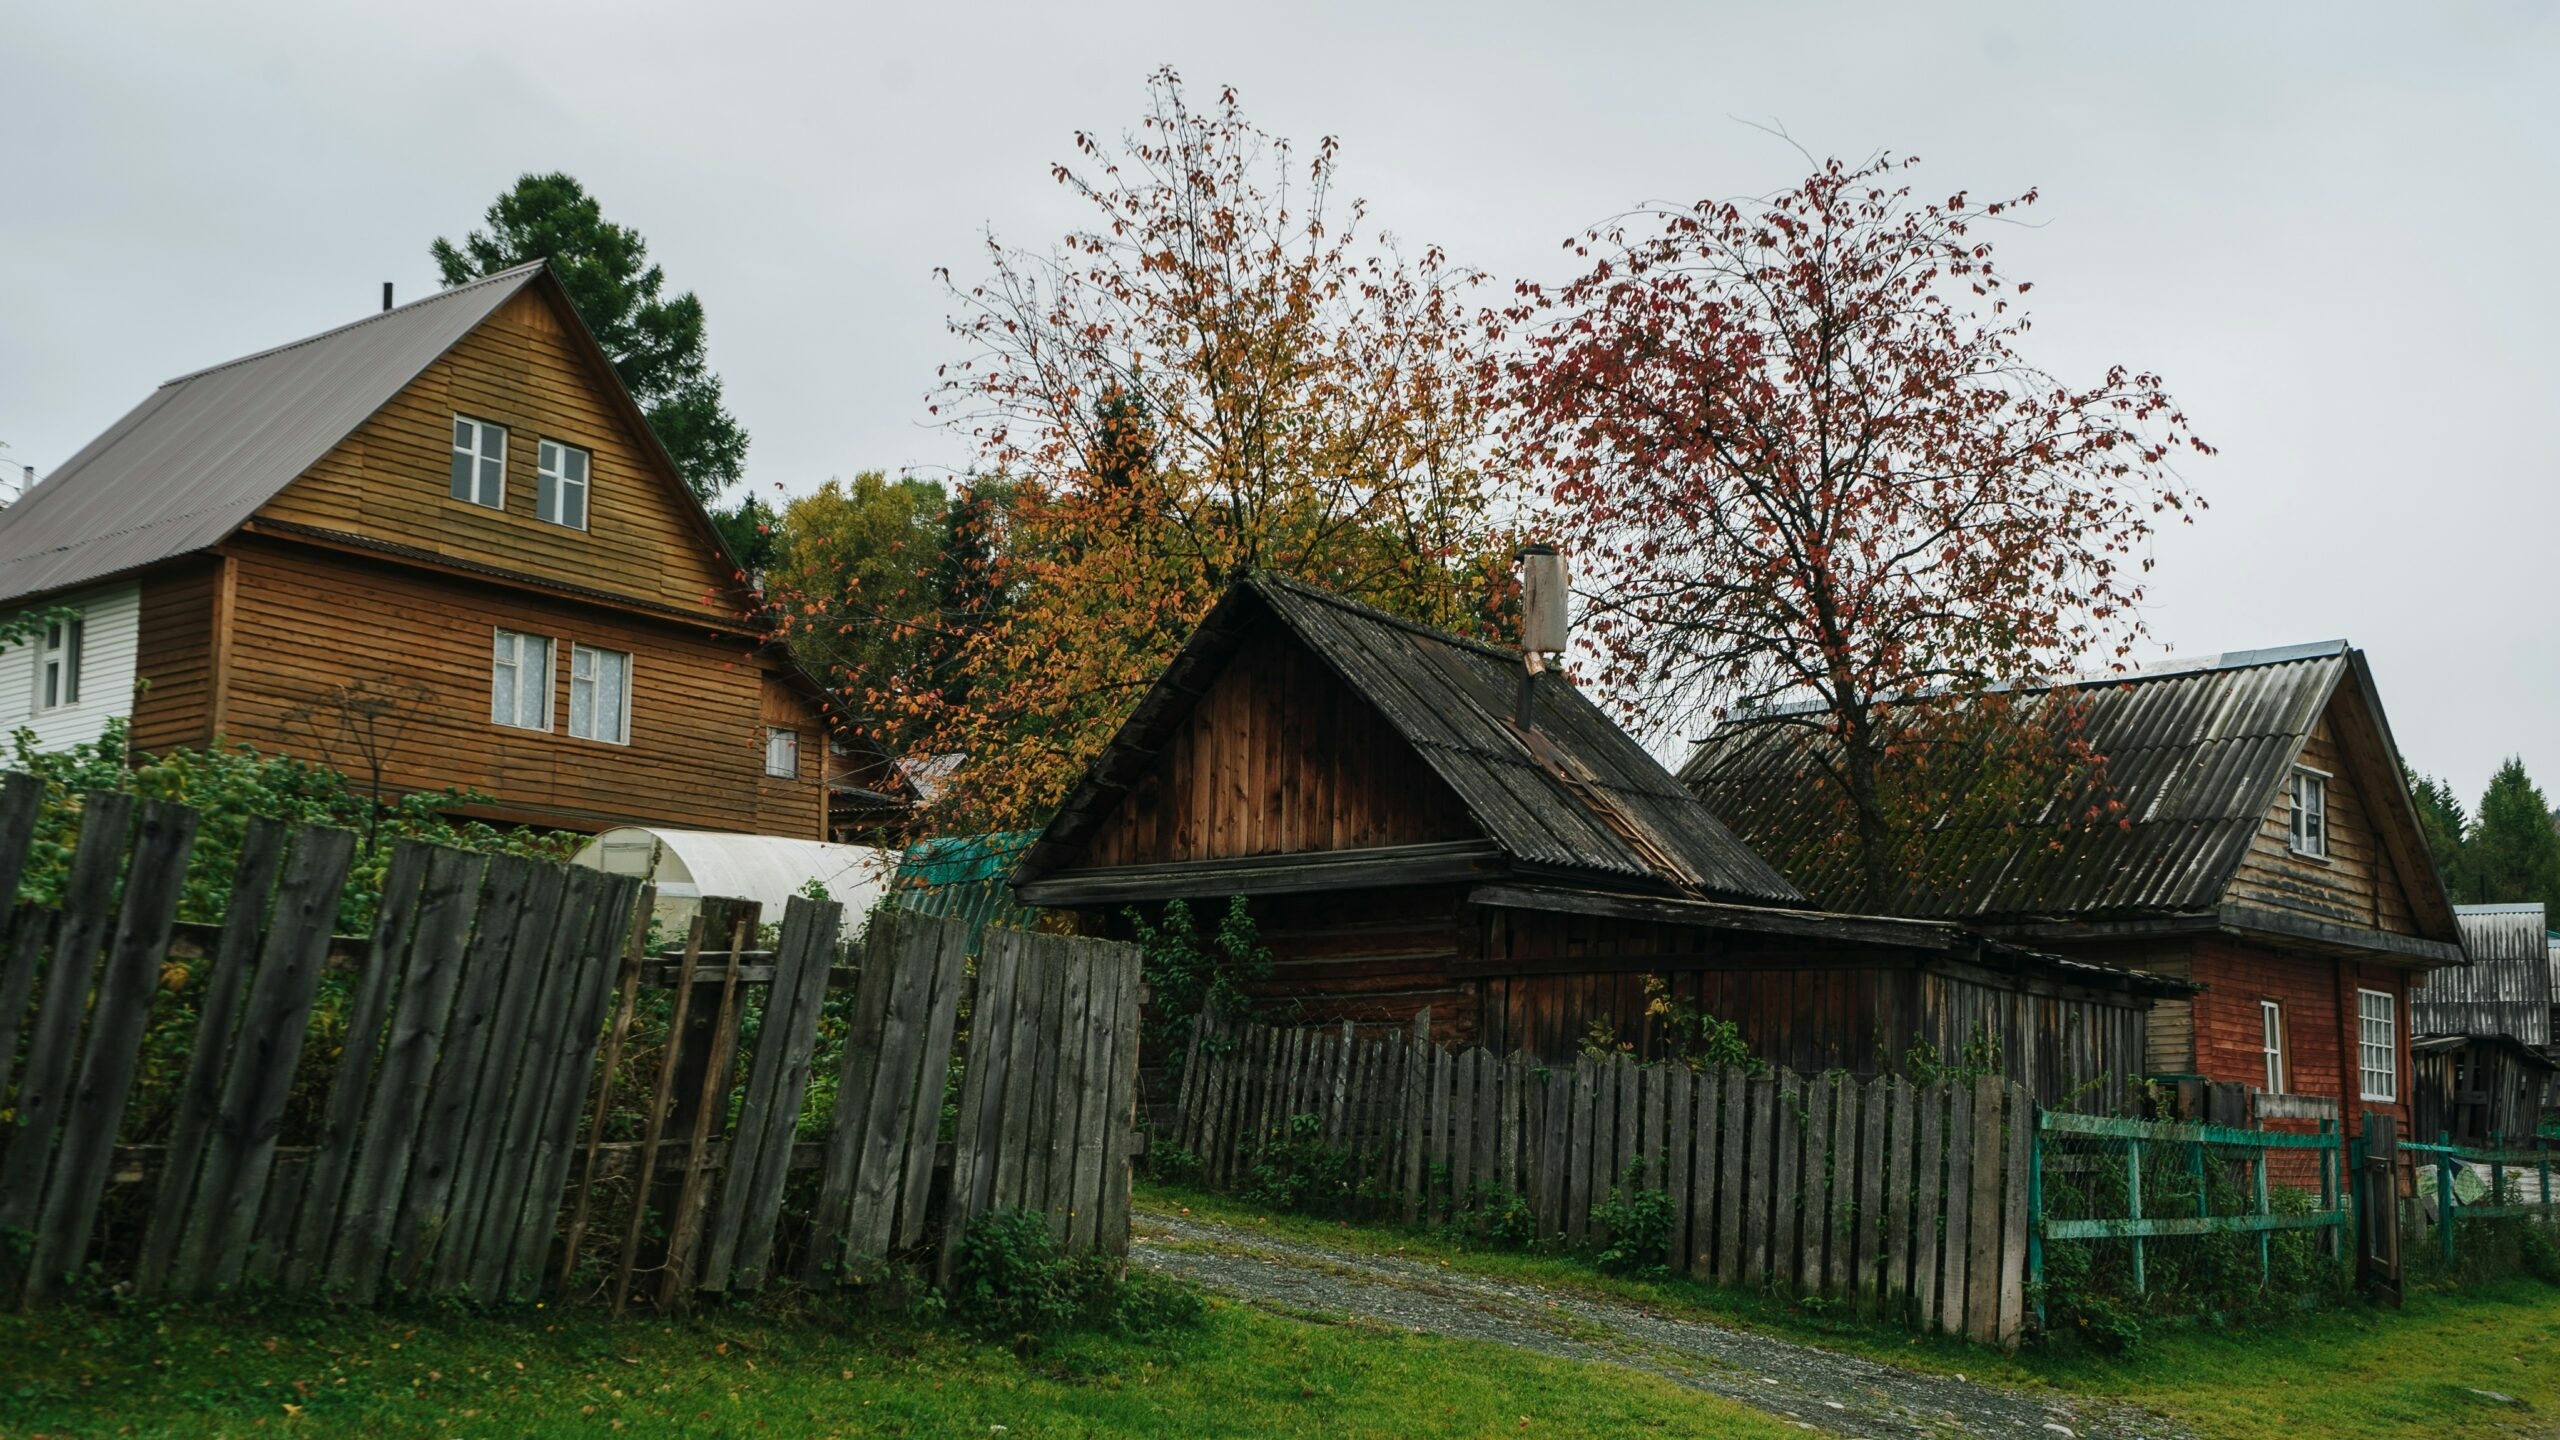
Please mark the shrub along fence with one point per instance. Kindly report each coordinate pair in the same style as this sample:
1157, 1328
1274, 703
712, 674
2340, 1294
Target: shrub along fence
503, 1094
1906, 1200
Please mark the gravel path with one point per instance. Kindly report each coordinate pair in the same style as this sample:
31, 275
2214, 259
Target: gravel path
1818, 1389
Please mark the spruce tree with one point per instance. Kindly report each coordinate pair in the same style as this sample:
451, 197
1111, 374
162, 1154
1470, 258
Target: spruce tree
2514, 851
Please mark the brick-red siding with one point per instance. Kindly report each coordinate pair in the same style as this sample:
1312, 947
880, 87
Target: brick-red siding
2318, 993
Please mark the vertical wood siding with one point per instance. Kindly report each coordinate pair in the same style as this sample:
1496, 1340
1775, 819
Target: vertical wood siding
2355, 884
1279, 756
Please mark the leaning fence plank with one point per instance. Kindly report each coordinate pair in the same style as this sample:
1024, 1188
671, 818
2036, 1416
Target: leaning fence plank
1786, 1254
1903, 1163
200, 1089
1093, 1104
625, 1004
1075, 1025
131, 976
2013, 1224
1040, 1123
1416, 1082
925, 1102
324, 1185
30, 931
1957, 1231
619, 914
1122, 1115
1706, 1103
526, 1146
484, 1138
1678, 1138
980, 1116
1759, 1179
1821, 1096
1578, 1140
710, 1112
446, 1040
763, 1199
52, 1045
1982, 1286
234, 1178
1930, 1183
871, 1217
1462, 1114
1029, 1016
1875, 1114
856, 1077
21, 805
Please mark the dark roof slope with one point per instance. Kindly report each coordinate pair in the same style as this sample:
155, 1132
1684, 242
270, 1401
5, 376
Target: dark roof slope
2196, 752
184, 468
1577, 797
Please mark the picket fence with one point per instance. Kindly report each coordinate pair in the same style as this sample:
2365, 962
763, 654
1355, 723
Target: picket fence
1904, 1200
487, 1018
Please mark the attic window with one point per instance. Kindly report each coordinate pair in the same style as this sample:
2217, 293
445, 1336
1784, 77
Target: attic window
2310, 814
560, 485
479, 463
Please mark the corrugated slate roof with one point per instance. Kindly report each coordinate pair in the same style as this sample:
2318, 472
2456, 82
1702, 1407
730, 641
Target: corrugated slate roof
1586, 800
185, 467
2505, 990
2195, 752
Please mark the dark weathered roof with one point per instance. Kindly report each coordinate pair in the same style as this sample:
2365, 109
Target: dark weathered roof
185, 467
1578, 797
2196, 752
2506, 987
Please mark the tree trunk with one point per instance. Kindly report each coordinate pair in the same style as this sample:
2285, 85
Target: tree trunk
1858, 763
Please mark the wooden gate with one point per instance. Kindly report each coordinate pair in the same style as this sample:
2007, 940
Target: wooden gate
2377, 1166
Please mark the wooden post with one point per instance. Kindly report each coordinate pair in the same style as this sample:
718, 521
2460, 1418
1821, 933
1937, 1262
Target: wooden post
1416, 1080
2133, 1206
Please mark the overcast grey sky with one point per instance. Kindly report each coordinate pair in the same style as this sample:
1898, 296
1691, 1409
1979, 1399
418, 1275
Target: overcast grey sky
2332, 228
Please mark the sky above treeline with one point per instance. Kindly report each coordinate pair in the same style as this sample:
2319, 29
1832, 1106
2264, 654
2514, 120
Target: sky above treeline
2330, 227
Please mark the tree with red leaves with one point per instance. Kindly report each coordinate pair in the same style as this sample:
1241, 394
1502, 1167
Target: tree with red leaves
1800, 461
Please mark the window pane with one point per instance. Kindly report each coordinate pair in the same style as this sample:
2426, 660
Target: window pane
573, 507
546, 496
576, 469
613, 706
582, 703
461, 487
71, 665
492, 482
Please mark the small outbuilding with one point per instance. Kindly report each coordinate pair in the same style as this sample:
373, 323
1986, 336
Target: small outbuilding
1418, 819
2481, 1053
690, 866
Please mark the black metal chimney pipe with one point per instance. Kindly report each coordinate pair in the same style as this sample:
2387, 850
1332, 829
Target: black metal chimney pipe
386, 294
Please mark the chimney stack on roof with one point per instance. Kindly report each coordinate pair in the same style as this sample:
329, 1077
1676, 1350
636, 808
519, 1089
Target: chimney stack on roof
386, 294
1544, 595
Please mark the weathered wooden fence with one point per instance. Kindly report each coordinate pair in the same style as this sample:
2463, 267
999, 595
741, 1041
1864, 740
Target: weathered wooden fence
1907, 1200
477, 1131
2458, 1183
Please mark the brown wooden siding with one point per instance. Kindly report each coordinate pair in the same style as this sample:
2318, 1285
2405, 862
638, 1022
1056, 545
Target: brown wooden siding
174, 664
305, 620
2356, 884
389, 480
796, 806
1279, 756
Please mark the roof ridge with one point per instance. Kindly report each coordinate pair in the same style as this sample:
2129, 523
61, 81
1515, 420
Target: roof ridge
512, 273
1370, 612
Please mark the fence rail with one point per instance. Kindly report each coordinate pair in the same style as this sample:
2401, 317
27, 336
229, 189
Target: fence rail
1904, 1200
2517, 1184
454, 1134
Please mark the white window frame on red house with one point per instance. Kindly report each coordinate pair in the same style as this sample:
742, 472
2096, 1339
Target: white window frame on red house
2377, 1039
2271, 1043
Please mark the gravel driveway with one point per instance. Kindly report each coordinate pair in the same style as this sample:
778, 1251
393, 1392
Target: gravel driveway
1819, 1389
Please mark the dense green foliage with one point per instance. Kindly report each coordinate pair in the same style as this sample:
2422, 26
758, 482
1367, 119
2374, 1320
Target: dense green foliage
1190, 974
1011, 1282
229, 785
1631, 1230
2508, 853
655, 341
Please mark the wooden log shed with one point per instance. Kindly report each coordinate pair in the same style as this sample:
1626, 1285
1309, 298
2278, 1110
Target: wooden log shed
1403, 840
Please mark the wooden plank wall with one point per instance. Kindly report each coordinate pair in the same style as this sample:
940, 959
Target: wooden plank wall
1278, 756
1905, 1201
2356, 883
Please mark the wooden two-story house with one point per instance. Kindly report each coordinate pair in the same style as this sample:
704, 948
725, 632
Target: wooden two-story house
2269, 853
447, 522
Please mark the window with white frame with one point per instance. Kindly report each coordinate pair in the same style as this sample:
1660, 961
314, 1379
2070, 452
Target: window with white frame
58, 665
600, 694
479, 462
781, 753
560, 485
520, 681
2377, 1045
2310, 814
2271, 1040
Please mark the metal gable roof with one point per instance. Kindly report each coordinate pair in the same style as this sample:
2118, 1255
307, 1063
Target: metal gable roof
203, 452
1581, 796
2196, 753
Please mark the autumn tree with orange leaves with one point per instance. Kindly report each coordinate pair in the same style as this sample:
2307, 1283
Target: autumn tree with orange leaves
1803, 468
1222, 371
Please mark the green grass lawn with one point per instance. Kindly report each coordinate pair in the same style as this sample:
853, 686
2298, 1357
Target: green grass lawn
2359, 1371
575, 1372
